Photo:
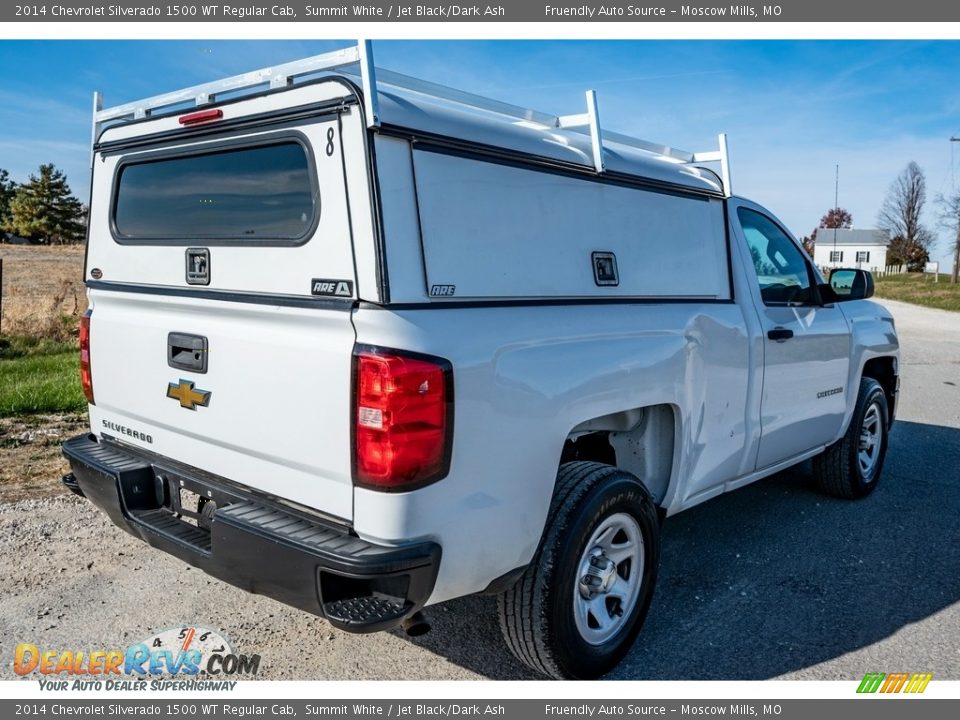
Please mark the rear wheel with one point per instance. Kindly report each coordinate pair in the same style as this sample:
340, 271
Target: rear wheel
850, 468
577, 609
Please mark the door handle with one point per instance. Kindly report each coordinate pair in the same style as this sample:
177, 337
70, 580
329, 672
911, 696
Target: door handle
780, 334
187, 352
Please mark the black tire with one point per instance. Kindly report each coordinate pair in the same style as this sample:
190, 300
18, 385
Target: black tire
837, 470
537, 613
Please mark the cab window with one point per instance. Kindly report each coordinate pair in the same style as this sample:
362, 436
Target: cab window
782, 271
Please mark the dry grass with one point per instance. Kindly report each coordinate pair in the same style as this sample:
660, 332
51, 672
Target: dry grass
33, 462
43, 292
920, 289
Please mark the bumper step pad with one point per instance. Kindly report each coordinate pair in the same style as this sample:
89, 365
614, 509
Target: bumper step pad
367, 610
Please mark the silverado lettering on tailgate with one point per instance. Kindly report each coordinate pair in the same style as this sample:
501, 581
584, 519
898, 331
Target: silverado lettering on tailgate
123, 430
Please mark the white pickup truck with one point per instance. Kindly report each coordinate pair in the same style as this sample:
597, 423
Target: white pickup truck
364, 344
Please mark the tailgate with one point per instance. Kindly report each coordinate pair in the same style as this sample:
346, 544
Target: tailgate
221, 280
278, 410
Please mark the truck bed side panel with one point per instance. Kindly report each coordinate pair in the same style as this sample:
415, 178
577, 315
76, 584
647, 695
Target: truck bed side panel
522, 385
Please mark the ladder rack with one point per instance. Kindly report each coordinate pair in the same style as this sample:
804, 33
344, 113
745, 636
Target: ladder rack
358, 62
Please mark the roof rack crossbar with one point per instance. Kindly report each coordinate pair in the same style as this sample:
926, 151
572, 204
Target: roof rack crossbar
358, 61
721, 156
590, 120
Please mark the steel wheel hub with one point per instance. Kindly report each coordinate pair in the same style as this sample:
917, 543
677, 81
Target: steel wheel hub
610, 573
871, 437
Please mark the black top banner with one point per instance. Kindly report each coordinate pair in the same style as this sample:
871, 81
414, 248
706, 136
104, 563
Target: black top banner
512, 11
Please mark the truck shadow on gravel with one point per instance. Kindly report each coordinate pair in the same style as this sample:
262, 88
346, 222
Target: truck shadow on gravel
776, 578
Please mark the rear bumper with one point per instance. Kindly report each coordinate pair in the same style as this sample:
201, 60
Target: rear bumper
253, 542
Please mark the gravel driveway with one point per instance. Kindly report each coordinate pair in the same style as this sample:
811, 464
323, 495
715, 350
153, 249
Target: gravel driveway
773, 580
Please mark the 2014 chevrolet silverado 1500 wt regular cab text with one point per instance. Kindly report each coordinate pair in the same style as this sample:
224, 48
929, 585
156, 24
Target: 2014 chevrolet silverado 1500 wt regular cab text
364, 344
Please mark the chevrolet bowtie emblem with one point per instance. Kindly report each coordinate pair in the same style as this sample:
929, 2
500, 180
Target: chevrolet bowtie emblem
188, 397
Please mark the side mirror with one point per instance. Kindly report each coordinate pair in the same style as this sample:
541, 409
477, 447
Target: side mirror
851, 284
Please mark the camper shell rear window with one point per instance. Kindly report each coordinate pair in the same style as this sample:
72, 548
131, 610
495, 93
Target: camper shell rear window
228, 194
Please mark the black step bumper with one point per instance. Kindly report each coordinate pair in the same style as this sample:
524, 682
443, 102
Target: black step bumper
254, 542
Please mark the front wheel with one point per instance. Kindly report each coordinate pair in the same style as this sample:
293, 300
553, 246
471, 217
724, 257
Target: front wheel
577, 609
850, 468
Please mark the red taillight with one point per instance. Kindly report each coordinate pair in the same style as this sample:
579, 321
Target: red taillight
201, 116
86, 379
403, 419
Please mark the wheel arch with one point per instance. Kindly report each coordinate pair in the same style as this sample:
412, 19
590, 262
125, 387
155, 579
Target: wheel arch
642, 441
885, 371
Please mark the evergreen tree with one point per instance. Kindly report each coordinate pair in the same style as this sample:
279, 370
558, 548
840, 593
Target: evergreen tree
44, 209
7, 189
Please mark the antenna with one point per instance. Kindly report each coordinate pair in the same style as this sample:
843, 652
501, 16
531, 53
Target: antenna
836, 202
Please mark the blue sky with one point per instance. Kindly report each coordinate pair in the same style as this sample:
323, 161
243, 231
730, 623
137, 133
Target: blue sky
792, 109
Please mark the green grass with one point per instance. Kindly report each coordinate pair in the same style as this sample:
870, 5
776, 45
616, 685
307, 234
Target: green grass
18, 346
920, 289
38, 376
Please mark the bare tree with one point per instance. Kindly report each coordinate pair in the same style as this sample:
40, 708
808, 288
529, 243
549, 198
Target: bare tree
901, 209
950, 219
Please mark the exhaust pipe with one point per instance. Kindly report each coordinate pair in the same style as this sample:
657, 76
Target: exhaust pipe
70, 482
416, 625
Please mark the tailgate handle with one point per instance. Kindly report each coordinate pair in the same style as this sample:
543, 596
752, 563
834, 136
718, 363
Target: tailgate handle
187, 352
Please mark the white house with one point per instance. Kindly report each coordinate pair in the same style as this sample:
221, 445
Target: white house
851, 248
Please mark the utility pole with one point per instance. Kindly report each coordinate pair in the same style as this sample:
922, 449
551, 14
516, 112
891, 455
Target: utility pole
955, 274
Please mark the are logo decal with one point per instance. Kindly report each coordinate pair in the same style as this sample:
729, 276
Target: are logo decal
443, 290
331, 288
